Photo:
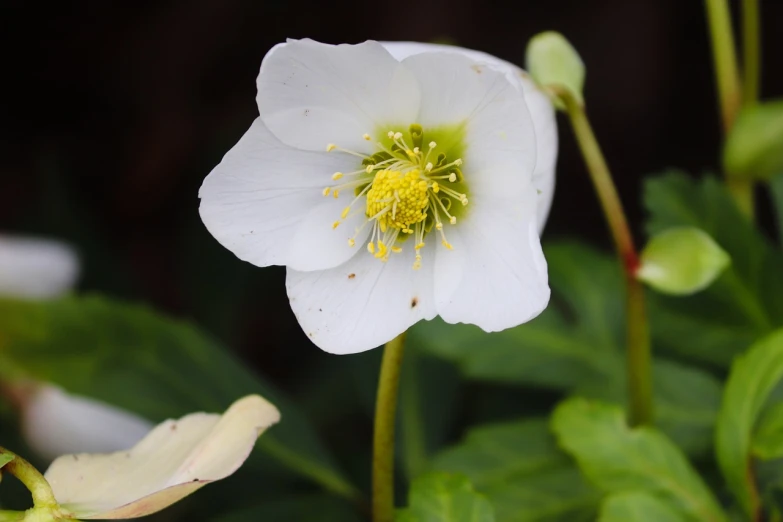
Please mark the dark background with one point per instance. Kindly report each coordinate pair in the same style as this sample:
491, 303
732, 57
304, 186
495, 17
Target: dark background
113, 113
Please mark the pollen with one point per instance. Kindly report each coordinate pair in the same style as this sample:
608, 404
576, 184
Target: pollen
399, 200
404, 190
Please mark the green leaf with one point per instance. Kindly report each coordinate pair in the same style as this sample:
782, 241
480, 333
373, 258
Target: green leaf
754, 147
681, 261
619, 459
753, 377
768, 439
443, 497
522, 471
578, 345
157, 367
744, 303
637, 506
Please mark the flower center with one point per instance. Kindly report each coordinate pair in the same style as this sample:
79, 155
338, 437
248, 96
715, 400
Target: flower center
408, 188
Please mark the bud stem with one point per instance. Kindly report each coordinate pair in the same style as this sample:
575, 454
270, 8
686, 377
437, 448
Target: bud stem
32, 479
638, 335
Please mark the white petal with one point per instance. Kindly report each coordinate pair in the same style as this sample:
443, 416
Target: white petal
264, 202
365, 302
175, 459
55, 423
500, 138
311, 94
36, 268
541, 110
496, 275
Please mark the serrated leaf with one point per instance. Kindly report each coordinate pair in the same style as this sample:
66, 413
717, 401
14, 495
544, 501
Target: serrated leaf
638, 506
160, 368
578, 345
444, 497
753, 377
744, 303
522, 471
768, 438
619, 459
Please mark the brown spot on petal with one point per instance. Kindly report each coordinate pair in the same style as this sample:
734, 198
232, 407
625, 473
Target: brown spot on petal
351, 276
477, 68
414, 302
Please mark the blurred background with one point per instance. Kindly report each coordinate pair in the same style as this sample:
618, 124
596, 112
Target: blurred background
114, 112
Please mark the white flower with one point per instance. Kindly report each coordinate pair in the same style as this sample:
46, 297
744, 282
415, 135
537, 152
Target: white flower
36, 268
174, 460
396, 182
55, 423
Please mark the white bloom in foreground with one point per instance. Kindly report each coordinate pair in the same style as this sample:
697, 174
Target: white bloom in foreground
36, 268
396, 182
55, 423
174, 460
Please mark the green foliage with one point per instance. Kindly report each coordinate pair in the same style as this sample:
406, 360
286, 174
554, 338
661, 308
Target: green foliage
522, 471
444, 497
752, 379
619, 459
744, 304
636, 506
754, 147
157, 367
577, 345
768, 438
681, 261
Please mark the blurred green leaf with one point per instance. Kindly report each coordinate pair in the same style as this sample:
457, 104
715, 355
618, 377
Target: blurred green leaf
637, 506
768, 439
776, 189
443, 497
754, 147
753, 377
577, 345
318, 507
525, 475
157, 367
744, 304
681, 261
619, 459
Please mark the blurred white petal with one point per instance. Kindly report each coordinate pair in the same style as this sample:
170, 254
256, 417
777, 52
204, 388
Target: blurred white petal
36, 268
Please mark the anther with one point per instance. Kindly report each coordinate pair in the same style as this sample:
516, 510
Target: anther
452, 177
458, 162
397, 135
464, 201
326, 191
331, 147
351, 242
336, 193
433, 144
371, 247
337, 175
368, 169
390, 134
428, 168
419, 247
435, 187
438, 226
453, 220
335, 225
396, 249
345, 212
447, 244
366, 137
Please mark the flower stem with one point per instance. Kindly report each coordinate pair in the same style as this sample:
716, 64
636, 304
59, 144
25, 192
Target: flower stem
751, 35
32, 479
385, 417
638, 335
728, 80
724, 55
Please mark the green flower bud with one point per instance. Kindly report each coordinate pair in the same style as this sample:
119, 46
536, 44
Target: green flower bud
754, 147
552, 61
681, 261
